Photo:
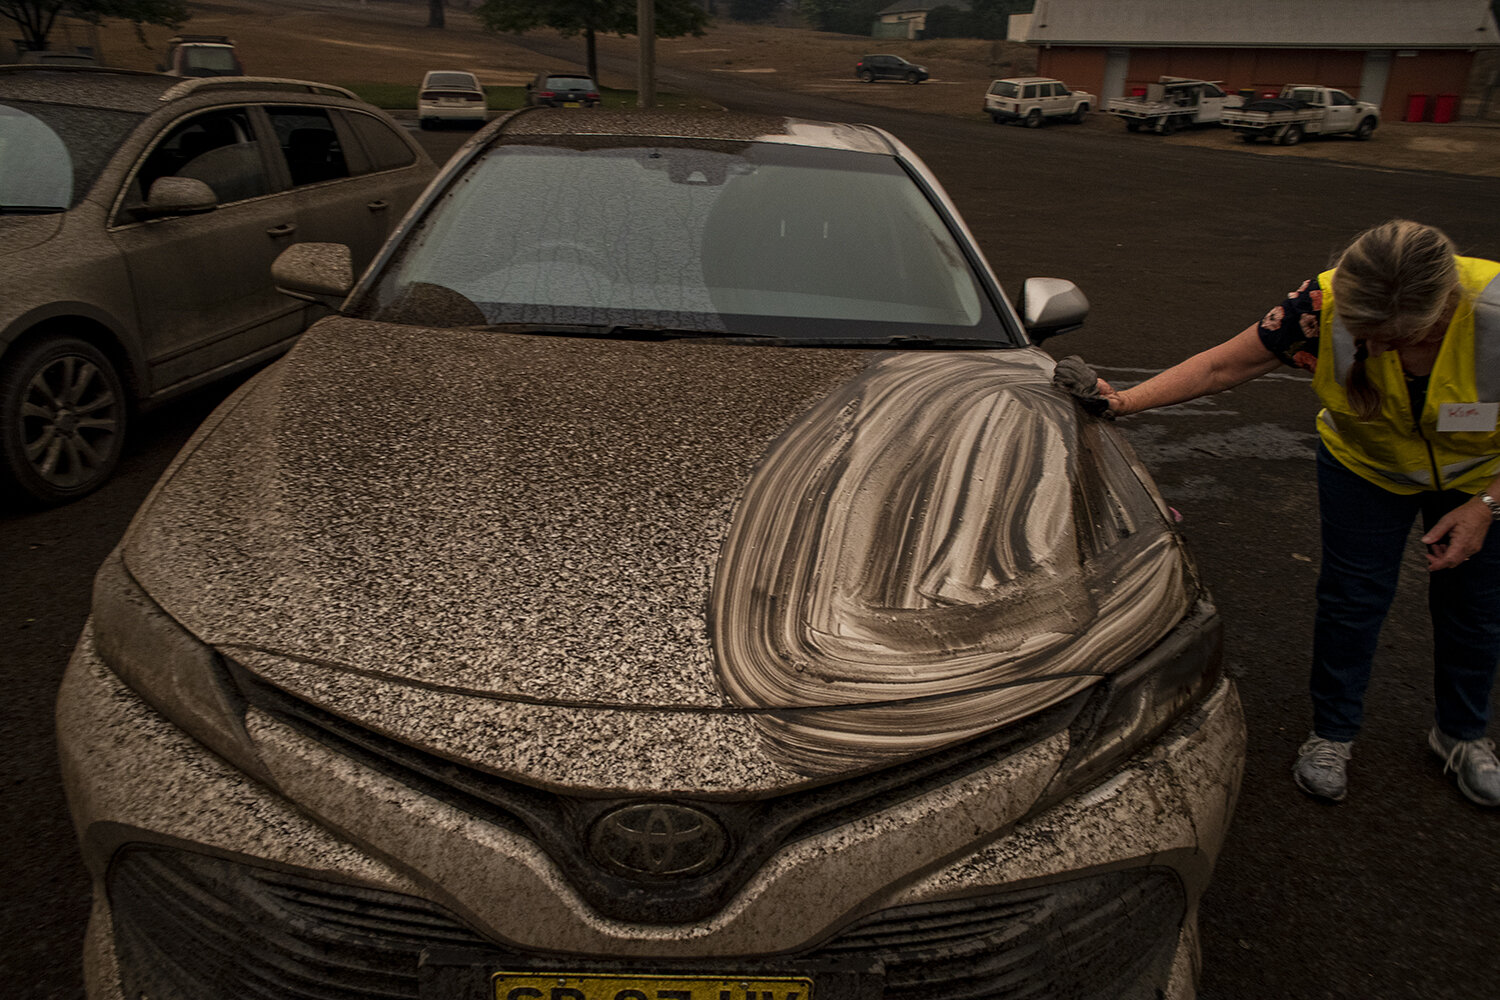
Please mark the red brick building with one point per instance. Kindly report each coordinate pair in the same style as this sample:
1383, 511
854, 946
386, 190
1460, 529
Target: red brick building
1377, 50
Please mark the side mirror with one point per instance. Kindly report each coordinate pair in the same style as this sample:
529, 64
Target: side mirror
1050, 306
318, 272
180, 196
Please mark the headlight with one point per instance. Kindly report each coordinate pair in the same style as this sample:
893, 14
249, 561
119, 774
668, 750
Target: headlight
172, 671
944, 550
1137, 705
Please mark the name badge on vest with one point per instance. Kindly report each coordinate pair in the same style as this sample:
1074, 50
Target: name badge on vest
1474, 417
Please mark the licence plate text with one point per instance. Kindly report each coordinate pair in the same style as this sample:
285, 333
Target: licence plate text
537, 986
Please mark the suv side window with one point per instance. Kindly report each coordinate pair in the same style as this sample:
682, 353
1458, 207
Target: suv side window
385, 149
310, 143
217, 147
1028, 92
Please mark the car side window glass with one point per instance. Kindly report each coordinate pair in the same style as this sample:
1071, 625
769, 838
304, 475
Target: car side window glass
1340, 98
310, 143
217, 148
1209, 90
1029, 92
384, 148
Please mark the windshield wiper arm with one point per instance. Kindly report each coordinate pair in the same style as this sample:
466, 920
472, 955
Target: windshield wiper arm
31, 209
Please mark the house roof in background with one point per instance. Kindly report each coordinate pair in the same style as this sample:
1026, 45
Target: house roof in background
1396, 24
920, 6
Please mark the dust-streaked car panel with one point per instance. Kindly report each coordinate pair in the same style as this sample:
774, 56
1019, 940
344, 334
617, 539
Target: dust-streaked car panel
139, 216
654, 626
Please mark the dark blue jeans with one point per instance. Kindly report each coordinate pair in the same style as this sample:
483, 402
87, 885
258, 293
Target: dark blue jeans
1365, 533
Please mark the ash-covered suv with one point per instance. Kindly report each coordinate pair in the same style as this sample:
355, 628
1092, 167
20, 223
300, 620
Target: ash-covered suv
139, 215
1032, 99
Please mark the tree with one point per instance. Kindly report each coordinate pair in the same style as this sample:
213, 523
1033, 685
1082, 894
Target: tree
36, 18
753, 11
435, 16
848, 17
674, 18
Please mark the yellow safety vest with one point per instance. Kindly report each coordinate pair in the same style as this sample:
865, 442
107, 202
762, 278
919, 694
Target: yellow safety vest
1395, 450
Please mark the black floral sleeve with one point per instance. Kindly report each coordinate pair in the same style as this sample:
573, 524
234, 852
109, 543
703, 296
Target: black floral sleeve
1290, 330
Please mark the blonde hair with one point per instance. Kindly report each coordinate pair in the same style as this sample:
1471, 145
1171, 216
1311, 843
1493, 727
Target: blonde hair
1393, 283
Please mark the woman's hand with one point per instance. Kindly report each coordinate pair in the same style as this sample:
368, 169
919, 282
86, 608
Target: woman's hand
1112, 396
1457, 535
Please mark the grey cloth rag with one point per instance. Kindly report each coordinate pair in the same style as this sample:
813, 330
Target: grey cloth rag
1075, 377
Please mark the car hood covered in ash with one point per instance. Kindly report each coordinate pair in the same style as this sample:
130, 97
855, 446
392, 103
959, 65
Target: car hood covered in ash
742, 565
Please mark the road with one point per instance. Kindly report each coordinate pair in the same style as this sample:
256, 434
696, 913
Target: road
1391, 895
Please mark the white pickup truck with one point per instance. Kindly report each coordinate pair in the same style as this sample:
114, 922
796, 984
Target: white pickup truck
1173, 102
1302, 110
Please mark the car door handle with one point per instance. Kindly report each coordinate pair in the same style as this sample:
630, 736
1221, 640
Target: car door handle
378, 206
285, 229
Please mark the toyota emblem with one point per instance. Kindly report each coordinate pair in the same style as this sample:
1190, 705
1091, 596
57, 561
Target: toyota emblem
658, 839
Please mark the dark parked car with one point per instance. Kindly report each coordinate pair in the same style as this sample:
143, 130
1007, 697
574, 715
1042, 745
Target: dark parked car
887, 67
562, 90
139, 215
673, 575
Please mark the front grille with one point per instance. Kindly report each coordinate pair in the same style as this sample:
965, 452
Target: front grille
1104, 937
560, 824
193, 927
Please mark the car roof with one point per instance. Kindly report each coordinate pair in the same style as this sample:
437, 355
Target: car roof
649, 124
129, 90
1029, 79
449, 72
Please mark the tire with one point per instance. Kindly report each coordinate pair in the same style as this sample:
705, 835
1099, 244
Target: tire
63, 414
1290, 136
1033, 118
997, 119
1365, 129
913, 79
1132, 126
1079, 114
867, 77
1249, 137
1166, 125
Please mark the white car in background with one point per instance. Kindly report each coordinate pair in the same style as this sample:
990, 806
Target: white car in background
451, 95
1031, 99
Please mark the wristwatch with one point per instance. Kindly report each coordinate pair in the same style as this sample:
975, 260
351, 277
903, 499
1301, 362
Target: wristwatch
1492, 504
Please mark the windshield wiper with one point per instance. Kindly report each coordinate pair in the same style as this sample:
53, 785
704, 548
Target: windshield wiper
31, 209
622, 331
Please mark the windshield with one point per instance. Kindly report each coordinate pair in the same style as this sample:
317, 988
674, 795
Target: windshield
569, 83
213, 58
460, 81
50, 154
756, 239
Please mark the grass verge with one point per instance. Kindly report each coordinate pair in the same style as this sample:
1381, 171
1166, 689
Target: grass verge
403, 97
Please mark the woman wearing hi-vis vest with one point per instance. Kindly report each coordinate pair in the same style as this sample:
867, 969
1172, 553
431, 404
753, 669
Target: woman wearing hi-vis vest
1403, 339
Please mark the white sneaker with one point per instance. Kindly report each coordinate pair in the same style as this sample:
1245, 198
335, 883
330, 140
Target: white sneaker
1321, 767
1473, 761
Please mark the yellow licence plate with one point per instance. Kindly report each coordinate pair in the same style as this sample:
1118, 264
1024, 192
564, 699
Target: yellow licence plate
570, 986
572, 104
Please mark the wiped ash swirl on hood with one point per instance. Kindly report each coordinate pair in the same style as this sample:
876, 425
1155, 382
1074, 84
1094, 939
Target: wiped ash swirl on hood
940, 548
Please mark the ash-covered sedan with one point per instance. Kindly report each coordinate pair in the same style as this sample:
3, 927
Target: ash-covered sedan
672, 576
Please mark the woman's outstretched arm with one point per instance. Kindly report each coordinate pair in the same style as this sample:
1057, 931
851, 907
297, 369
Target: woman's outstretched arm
1237, 360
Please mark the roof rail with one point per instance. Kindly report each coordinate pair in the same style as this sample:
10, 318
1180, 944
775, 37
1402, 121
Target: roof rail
193, 84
